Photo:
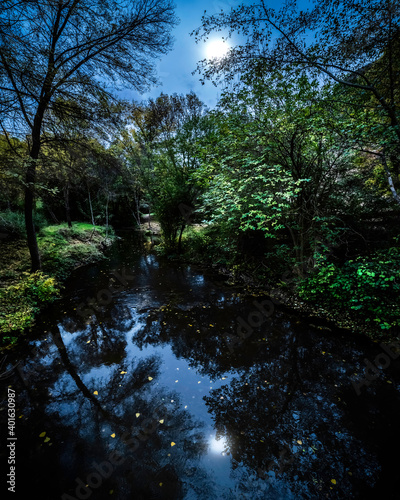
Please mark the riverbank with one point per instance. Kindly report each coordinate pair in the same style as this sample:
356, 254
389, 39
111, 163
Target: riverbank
361, 296
23, 294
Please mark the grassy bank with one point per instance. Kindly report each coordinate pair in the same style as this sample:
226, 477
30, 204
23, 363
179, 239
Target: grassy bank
23, 294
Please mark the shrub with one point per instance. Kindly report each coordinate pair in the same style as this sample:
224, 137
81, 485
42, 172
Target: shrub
20, 302
368, 288
13, 223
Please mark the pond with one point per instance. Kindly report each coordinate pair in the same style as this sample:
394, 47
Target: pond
153, 379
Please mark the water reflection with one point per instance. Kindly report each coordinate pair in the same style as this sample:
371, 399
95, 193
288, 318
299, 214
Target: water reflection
146, 392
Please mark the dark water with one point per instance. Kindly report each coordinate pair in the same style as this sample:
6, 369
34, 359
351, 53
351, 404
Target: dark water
130, 389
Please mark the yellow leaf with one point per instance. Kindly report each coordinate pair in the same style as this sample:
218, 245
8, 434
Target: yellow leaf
176, 381
172, 443
161, 421
160, 484
122, 373
137, 415
42, 434
113, 435
95, 393
299, 442
333, 481
47, 440
88, 342
150, 378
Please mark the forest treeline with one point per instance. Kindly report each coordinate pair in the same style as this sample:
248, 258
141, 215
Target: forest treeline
295, 172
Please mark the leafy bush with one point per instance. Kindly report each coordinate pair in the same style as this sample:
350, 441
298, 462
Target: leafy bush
63, 248
209, 244
21, 302
13, 223
368, 288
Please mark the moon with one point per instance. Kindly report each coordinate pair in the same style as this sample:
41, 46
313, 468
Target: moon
216, 49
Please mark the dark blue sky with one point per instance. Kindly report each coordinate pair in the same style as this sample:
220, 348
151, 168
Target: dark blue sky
175, 69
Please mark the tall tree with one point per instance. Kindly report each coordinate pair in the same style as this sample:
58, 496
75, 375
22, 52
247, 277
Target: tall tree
353, 43
56, 52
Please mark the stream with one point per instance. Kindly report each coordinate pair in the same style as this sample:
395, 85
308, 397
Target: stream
153, 379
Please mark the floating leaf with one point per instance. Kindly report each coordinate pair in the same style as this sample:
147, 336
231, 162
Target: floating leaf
113, 435
47, 440
137, 415
88, 342
95, 393
150, 378
299, 442
161, 421
42, 434
172, 443
122, 373
333, 481
160, 484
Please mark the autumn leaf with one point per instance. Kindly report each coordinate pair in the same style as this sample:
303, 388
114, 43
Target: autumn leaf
122, 373
95, 393
173, 444
333, 481
161, 421
42, 434
150, 378
137, 415
113, 435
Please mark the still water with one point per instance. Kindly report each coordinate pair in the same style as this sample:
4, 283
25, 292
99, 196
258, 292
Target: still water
136, 386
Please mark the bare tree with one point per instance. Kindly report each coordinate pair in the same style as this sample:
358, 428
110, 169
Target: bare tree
57, 54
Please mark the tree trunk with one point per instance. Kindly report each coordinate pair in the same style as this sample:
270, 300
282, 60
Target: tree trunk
91, 208
67, 207
30, 189
180, 238
29, 205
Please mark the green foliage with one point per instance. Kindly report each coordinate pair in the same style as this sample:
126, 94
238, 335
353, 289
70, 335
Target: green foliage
13, 223
368, 288
63, 248
212, 244
20, 303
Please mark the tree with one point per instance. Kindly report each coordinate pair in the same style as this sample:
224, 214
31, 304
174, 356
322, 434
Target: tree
355, 44
165, 133
57, 52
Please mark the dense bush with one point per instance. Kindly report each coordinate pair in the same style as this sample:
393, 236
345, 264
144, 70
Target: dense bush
20, 303
367, 287
13, 223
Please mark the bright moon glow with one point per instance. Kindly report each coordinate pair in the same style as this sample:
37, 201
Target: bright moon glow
217, 446
216, 49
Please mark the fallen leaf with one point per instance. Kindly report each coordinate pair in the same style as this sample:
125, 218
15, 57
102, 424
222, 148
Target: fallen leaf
113, 435
137, 415
88, 342
47, 440
161, 421
299, 442
173, 444
333, 481
42, 434
95, 393
160, 484
122, 373
150, 378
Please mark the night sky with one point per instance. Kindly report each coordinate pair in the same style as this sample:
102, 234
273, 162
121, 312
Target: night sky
175, 69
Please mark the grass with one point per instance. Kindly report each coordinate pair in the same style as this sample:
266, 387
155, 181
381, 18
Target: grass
62, 249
